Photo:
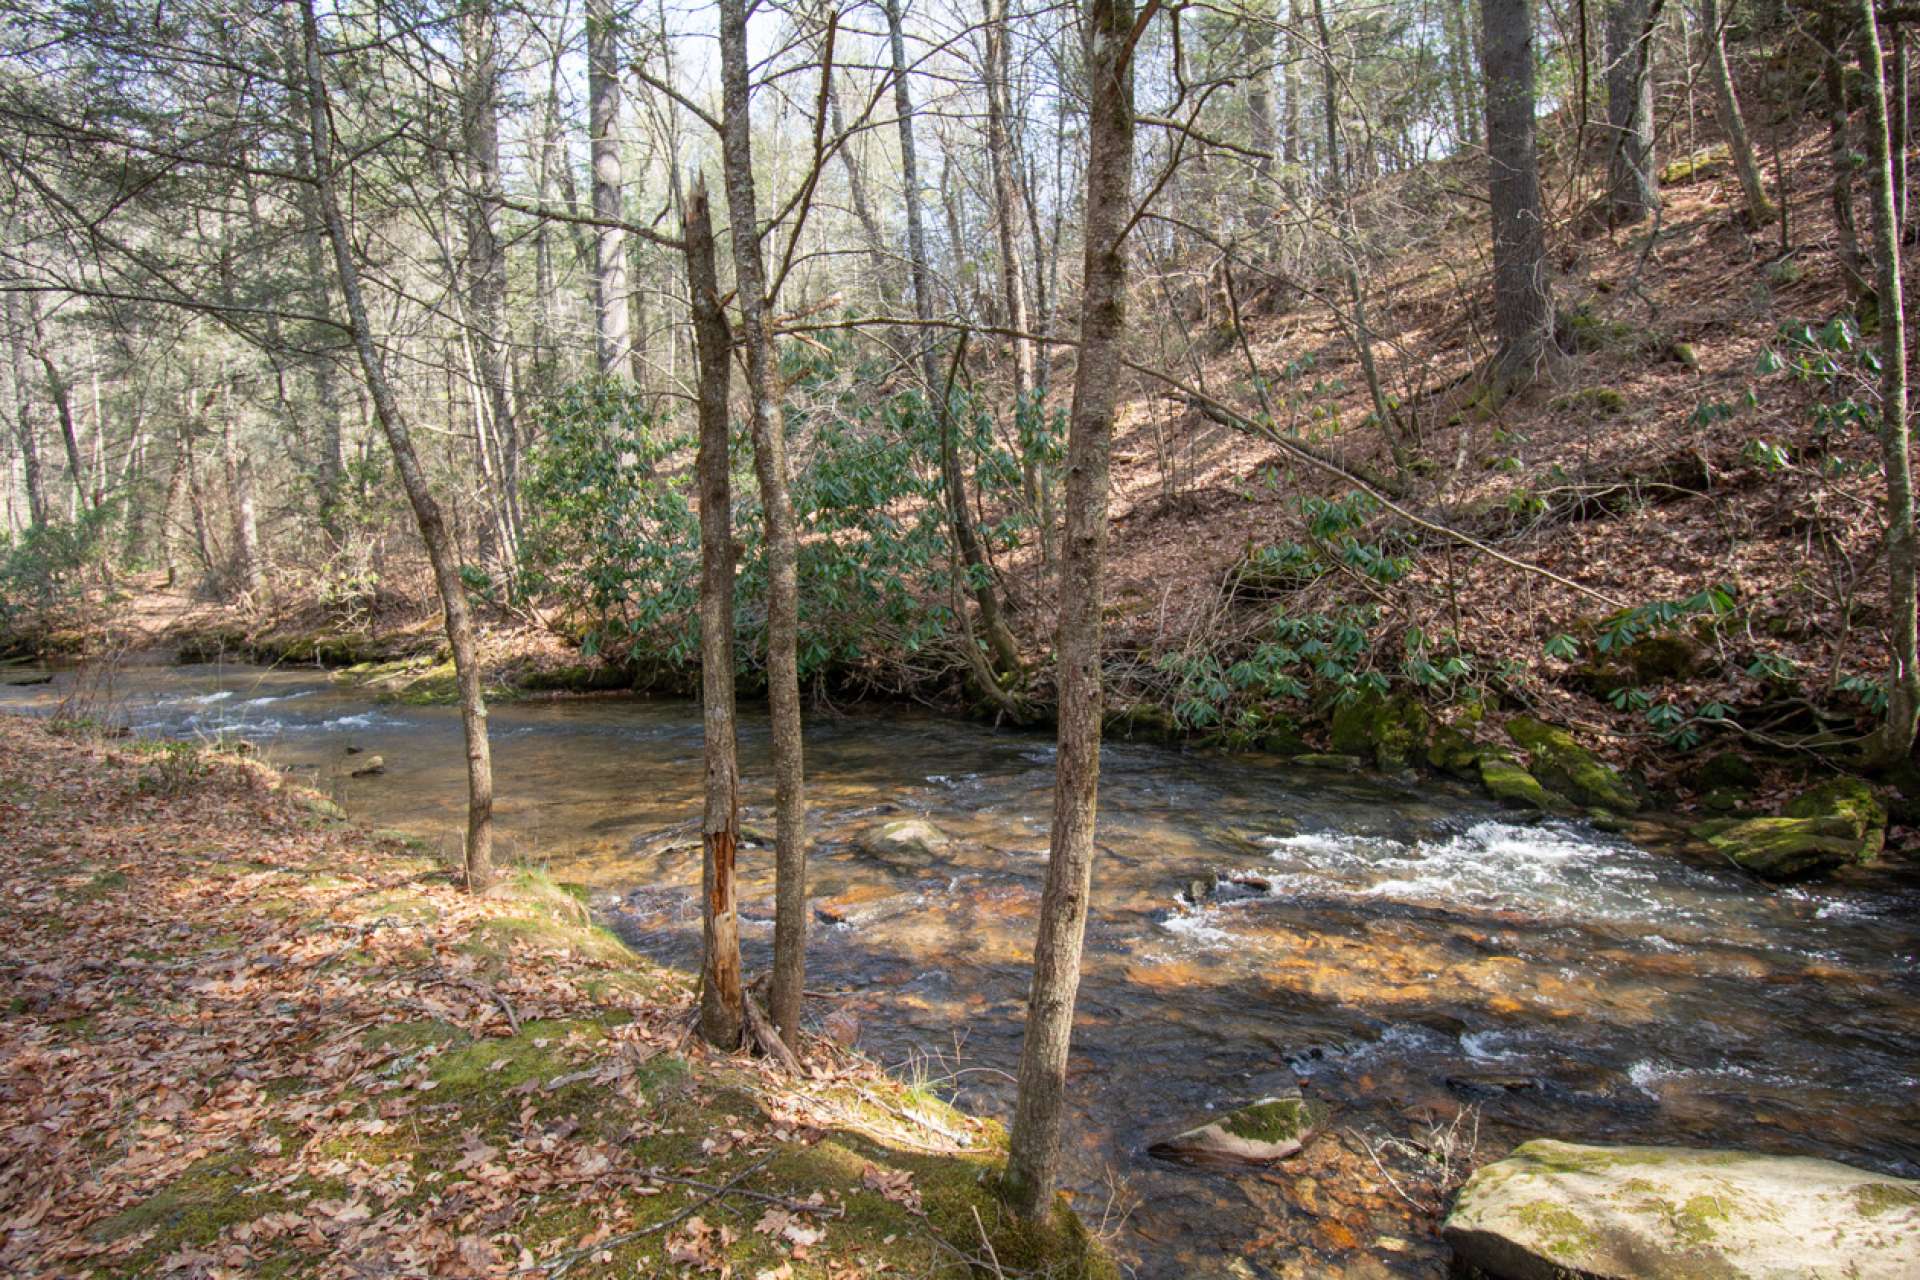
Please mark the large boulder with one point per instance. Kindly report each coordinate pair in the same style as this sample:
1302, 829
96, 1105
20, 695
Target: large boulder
1783, 848
1258, 1133
1851, 801
1392, 732
1567, 767
913, 841
1557, 1209
1833, 825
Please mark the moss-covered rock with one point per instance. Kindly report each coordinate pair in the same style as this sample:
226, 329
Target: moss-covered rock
1392, 732
1258, 1133
1851, 801
1724, 771
1328, 760
1556, 1209
1783, 848
1565, 766
1710, 163
1512, 785
1454, 752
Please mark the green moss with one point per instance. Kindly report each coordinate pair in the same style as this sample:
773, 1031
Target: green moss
1512, 785
1701, 164
1604, 401
1568, 768
1871, 1199
1390, 731
1851, 801
1453, 751
195, 1208
1782, 848
1696, 1221
409, 1037
1563, 1233
1276, 1120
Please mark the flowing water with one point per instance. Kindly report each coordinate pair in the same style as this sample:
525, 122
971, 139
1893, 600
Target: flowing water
1444, 977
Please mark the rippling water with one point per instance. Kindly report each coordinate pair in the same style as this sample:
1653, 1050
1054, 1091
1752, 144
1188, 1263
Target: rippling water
1402, 950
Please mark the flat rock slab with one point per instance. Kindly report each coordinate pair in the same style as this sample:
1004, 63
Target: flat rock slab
1558, 1209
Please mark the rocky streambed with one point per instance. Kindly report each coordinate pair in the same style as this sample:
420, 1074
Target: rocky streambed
1437, 977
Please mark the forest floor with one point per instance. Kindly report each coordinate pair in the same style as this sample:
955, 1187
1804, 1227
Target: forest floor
245, 1037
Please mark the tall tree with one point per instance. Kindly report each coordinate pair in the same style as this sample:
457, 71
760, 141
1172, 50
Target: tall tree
1040, 1107
25, 433
612, 333
783, 548
959, 512
413, 477
486, 264
722, 998
1726, 104
1522, 296
1632, 184
1903, 680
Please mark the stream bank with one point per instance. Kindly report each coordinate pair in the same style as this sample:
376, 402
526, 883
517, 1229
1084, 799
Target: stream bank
1440, 974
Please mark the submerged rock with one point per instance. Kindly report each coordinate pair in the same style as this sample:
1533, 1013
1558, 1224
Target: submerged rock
1554, 1209
1565, 766
1258, 1133
1328, 760
912, 840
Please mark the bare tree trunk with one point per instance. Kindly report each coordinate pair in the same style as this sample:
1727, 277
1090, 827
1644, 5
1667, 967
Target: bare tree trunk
1006, 202
332, 472
1256, 46
245, 521
979, 573
883, 266
1039, 1111
426, 511
62, 396
1462, 67
783, 550
611, 333
1522, 297
722, 1000
1360, 334
1760, 210
1903, 680
1853, 263
1898, 127
24, 429
1290, 151
486, 265
1632, 185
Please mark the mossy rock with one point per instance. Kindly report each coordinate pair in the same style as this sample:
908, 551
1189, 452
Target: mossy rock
1570, 769
1258, 1133
1391, 731
1512, 785
1605, 401
1710, 163
1557, 1209
1783, 848
1454, 752
1850, 799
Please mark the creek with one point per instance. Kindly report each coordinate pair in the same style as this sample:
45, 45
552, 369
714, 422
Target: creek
1444, 977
